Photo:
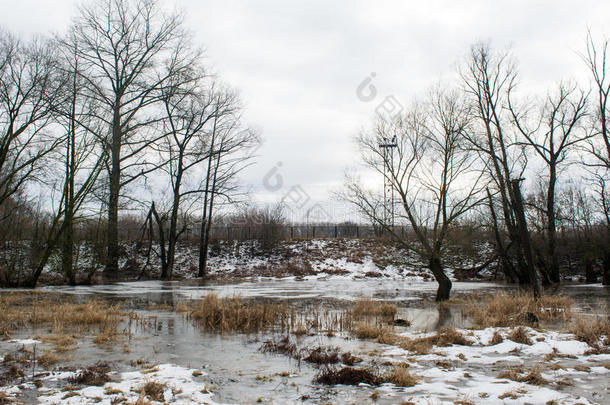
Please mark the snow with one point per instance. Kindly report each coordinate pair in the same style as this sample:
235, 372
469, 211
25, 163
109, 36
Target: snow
182, 386
474, 369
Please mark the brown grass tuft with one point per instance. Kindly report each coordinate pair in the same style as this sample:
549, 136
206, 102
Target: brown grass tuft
47, 360
496, 339
369, 307
235, 315
532, 376
401, 377
520, 335
154, 390
348, 376
323, 355
93, 375
514, 309
591, 330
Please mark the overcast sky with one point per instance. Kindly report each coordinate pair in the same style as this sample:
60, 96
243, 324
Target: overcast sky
298, 64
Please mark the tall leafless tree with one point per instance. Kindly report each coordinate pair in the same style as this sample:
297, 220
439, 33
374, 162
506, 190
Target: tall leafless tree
130, 51
597, 59
28, 87
552, 132
431, 172
487, 76
191, 116
228, 155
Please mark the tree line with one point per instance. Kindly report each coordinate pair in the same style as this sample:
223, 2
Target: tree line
93, 119
463, 153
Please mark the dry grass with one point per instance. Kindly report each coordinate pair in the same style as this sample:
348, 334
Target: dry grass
62, 342
93, 375
520, 335
369, 307
154, 390
594, 331
364, 330
531, 376
496, 339
235, 315
283, 346
514, 309
349, 359
442, 338
323, 355
26, 309
401, 377
47, 360
348, 376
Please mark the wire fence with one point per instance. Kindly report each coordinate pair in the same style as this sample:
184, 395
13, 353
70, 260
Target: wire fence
287, 232
281, 232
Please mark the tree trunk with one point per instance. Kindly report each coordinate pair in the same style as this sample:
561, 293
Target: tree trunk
173, 226
112, 258
551, 227
505, 264
525, 238
444, 283
160, 225
206, 242
606, 268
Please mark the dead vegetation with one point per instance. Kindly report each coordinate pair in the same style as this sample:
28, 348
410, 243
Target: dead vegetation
323, 355
595, 331
236, 315
532, 376
442, 338
96, 374
515, 309
398, 375
154, 391
348, 376
520, 335
31, 308
369, 307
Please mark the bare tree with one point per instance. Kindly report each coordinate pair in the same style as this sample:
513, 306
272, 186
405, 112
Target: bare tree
27, 89
83, 156
191, 117
431, 172
130, 51
227, 157
487, 76
597, 58
552, 132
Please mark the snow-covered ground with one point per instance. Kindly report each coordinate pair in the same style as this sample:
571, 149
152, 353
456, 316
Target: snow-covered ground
473, 372
320, 258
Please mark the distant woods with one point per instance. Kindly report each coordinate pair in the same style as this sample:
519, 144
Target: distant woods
118, 114
530, 170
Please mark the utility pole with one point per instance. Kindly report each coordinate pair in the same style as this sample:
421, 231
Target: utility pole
387, 148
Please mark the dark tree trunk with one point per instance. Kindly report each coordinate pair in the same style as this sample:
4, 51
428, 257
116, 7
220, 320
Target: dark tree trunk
112, 258
606, 268
590, 276
505, 264
525, 238
444, 283
160, 226
551, 227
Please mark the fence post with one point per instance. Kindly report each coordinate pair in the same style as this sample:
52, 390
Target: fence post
336, 231
313, 233
291, 232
